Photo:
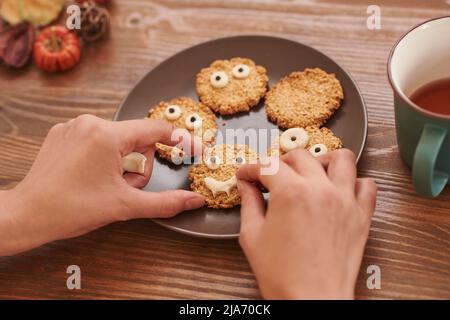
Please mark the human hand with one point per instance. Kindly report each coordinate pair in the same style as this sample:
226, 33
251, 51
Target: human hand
309, 242
76, 183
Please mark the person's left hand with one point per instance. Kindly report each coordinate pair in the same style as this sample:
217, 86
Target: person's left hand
76, 183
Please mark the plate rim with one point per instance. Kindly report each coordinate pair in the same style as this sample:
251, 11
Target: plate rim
160, 221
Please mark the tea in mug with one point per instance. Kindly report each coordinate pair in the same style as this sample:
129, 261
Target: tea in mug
434, 96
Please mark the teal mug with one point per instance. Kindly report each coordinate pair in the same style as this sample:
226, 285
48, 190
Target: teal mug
421, 56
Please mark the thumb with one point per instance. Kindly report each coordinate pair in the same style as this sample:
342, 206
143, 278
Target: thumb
163, 204
252, 210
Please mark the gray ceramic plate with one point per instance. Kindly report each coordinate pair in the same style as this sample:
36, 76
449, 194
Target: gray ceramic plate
176, 77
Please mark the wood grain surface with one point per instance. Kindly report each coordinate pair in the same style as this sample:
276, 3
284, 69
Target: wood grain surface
409, 237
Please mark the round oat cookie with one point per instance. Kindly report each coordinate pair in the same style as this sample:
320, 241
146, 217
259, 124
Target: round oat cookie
214, 177
230, 86
317, 140
302, 99
184, 113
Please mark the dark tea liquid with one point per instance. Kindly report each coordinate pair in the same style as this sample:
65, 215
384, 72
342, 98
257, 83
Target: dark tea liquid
434, 96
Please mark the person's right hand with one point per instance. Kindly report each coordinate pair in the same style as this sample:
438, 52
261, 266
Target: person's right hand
309, 242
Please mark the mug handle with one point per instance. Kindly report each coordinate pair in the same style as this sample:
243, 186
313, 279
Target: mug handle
427, 180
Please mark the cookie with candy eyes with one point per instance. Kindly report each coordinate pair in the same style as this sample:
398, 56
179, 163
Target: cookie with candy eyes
214, 177
184, 113
302, 99
230, 86
317, 140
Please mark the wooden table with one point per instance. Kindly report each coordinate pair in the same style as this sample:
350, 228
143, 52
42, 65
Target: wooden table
409, 237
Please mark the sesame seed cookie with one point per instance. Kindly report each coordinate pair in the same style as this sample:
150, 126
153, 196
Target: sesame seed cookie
317, 140
230, 86
214, 177
302, 99
184, 113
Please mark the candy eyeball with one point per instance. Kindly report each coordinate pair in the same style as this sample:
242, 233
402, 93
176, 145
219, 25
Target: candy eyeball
172, 112
293, 138
219, 79
241, 71
193, 121
318, 149
177, 155
213, 162
240, 160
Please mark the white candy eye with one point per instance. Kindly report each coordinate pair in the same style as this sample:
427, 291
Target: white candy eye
240, 159
219, 79
177, 155
318, 149
213, 162
193, 121
241, 71
172, 112
293, 138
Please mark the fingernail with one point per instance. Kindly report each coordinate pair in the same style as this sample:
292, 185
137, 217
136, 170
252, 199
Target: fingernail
194, 203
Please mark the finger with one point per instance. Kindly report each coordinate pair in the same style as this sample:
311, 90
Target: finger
143, 133
342, 169
324, 160
164, 204
304, 163
366, 194
137, 180
270, 172
57, 130
252, 207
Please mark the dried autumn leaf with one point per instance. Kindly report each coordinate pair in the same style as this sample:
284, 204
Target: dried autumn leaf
10, 11
42, 12
16, 43
37, 12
